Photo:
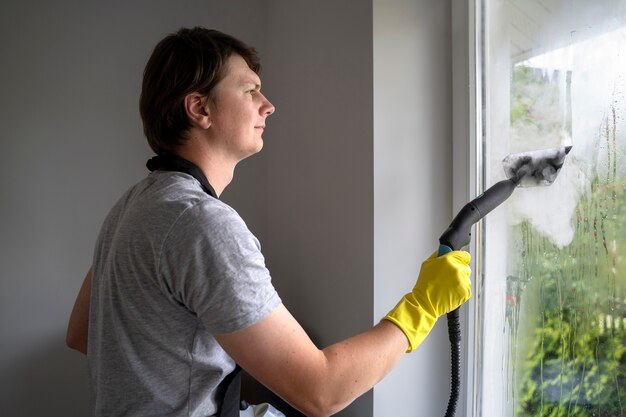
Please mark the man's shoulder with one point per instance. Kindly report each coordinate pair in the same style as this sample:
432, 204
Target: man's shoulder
164, 198
177, 191
214, 214
180, 195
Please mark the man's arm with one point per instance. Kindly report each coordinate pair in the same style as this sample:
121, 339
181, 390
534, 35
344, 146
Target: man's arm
78, 326
278, 353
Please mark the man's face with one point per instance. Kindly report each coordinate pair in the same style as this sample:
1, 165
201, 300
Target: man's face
238, 111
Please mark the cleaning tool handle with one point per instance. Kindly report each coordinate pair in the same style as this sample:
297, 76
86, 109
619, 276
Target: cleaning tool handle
443, 249
459, 233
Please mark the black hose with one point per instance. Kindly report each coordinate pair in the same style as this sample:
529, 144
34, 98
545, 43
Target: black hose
454, 334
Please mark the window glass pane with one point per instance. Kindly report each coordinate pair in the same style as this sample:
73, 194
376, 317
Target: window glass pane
554, 305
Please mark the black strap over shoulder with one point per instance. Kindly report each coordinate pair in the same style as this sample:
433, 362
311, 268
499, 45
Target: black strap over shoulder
171, 162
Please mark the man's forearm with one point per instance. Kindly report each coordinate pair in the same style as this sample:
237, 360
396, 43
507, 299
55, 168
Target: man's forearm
278, 353
361, 361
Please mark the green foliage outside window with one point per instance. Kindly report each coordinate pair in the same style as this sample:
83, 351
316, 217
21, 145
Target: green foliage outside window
566, 307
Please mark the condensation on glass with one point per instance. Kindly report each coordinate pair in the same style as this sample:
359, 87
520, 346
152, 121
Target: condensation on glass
554, 305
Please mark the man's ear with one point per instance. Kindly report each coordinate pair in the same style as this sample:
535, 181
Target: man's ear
197, 110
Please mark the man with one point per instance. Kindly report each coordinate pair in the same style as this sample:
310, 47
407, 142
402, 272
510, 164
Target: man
178, 293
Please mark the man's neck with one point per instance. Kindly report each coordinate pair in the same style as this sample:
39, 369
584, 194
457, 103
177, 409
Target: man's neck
218, 171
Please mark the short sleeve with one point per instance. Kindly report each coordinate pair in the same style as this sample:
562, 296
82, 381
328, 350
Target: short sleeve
212, 264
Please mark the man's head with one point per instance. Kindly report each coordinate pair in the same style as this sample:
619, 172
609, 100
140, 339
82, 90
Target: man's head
190, 60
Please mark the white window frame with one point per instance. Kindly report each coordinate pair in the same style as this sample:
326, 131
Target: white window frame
468, 180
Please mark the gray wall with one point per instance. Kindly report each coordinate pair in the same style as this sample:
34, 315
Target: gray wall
69, 125
347, 198
320, 171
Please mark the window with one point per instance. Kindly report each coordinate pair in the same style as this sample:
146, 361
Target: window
553, 300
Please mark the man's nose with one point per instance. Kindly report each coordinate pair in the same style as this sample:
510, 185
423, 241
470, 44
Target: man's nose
267, 108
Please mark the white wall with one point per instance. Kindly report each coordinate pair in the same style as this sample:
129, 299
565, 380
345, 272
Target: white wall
412, 183
348, 197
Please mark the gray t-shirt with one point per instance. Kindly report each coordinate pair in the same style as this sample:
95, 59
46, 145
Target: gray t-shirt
172, 267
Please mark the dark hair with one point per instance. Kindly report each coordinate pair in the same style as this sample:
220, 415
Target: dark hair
190, 60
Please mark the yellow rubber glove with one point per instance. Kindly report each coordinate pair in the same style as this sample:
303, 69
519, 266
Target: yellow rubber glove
443, 285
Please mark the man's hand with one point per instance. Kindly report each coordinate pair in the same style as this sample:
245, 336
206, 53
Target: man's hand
442, 286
